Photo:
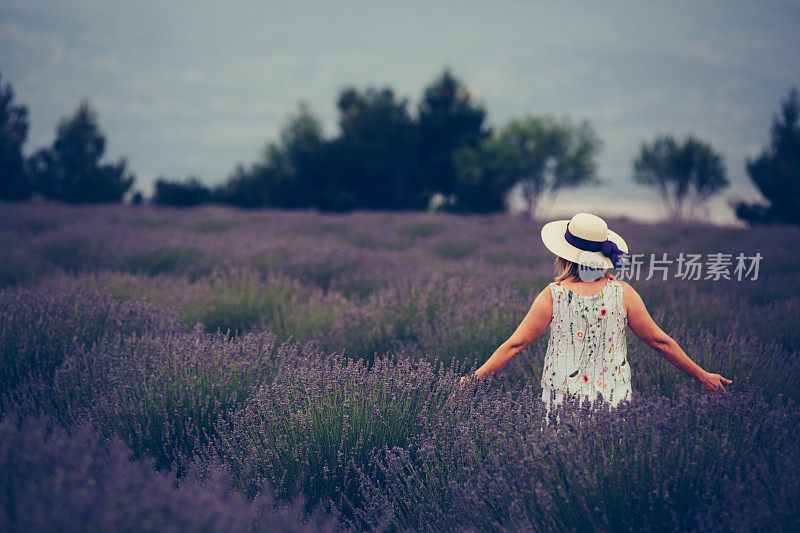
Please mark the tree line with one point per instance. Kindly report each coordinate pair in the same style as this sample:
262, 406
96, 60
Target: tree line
385, 156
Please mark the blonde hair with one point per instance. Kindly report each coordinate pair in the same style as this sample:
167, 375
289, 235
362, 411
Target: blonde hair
566, 269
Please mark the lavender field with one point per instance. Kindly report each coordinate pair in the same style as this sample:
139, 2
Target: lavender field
223, 370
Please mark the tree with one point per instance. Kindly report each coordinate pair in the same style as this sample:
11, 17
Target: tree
482, 179
448, 121
375, 158
686, 173
245, 188
776, 171
14, 183
540, 155
290, 173
185, 193
300, 160
70, 170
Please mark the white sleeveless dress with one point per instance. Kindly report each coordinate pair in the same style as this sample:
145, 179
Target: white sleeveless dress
587, 352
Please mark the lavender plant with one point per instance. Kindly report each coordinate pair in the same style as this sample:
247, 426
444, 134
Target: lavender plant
654, 464
38, 329
395, 308
162, 395
54, 480
321, 419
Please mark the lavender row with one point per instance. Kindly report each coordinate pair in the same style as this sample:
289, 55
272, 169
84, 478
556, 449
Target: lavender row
338, 430
450, 319
58, 480
39, 329
382, 313
655, 464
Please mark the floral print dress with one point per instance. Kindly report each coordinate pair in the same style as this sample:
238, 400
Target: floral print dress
587, 352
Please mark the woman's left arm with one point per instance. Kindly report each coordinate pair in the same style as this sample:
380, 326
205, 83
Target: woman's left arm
530, 329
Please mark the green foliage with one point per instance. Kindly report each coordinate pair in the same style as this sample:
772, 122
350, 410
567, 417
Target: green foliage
776, 171
168, 259
214, 226
14, 183
322, 274
137, 198
18, 268
483, 183
290, 173
456, 249
448, 121
421, 229
39, 329
37, 226
239, 304
507, 256
383, 158
545, 156
335, 227
683, 172
70, 170
318, 423
244, 188
74, 254
160, 407
145, 222
243, 301
376, 154
540, 155
181, 193
300, 162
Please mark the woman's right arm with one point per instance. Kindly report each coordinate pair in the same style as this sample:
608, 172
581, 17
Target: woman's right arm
531, 328
644, 327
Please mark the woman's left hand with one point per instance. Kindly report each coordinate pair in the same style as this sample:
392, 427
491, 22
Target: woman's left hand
714, 382
470, 379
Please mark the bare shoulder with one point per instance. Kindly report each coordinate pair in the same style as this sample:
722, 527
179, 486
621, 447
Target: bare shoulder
630, 298
627, 288
545, 296
543, 303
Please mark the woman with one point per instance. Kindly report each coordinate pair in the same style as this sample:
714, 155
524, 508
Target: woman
587, 311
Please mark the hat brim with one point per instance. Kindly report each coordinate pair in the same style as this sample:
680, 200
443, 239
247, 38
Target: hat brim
553, 239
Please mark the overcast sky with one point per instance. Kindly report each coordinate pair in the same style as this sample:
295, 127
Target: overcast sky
192, 88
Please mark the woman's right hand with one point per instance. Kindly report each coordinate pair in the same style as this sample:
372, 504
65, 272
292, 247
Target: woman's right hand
713, 382
462, 385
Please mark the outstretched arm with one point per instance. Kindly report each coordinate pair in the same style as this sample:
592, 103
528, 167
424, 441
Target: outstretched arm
531, 327
642, 324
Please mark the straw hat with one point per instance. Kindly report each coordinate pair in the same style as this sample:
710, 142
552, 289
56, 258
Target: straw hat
585, 239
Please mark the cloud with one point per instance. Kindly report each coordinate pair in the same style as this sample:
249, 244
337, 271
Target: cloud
216, 132
108, 63
186, 75
42, 51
